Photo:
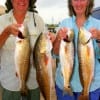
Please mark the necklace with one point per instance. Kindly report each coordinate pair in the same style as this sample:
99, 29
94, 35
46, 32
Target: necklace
80, 22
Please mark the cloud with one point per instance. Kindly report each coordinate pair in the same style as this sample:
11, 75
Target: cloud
96, 3
2, 2
53, 15
52, 11
49, 3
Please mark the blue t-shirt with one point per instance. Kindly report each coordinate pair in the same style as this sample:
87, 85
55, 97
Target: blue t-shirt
75, 81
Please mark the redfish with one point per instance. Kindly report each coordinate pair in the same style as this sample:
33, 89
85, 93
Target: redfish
86, 62
22, 59
43, 64
66, 54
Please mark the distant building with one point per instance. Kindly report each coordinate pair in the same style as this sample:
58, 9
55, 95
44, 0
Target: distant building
52, 27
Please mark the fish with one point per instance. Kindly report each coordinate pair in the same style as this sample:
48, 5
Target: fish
22, 59
66, 55
43, 63
86, 61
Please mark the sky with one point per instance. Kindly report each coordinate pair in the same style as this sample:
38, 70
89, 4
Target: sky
53, 11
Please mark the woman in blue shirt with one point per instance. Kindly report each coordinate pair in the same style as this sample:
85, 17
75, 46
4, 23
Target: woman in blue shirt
80, 16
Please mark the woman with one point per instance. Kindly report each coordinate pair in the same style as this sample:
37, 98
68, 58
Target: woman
19, 12
80, 16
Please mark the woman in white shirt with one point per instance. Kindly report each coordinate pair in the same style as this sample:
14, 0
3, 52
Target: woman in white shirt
18, 12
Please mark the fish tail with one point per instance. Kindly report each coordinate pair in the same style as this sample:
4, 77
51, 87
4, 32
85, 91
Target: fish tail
83, 97
68, 90
24, 90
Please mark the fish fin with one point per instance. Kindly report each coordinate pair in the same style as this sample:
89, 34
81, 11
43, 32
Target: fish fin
83, 97
24, 90
16, 74
67, 90
46, 59
20, 35
62, 73
92, 78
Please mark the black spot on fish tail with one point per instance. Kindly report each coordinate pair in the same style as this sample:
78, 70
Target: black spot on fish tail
66, 40
24, 90
20, 35
68, 90
83, 97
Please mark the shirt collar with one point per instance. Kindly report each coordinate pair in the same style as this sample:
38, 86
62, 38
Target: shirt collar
12, 19
87, 21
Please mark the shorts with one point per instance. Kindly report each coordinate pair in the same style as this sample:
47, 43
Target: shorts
94, 95
15, 95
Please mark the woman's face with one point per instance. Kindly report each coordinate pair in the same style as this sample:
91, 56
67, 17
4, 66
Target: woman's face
20, 5
80, 6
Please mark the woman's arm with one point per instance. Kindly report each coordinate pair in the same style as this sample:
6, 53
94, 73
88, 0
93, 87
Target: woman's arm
95, 33
11, 29
3, 37
61, 34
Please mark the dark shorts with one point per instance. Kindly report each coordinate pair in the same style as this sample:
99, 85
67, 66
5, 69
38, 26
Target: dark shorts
14, 95
95, 95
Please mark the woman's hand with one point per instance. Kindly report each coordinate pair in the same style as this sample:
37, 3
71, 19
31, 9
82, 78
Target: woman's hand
13, 29
61, 34
95, 33
52, 36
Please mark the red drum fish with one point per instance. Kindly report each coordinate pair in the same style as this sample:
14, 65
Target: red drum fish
22, 59
86, 62
43, 64
66, 54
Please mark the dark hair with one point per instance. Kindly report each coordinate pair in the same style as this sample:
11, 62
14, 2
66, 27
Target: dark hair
88, 9
31, 5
